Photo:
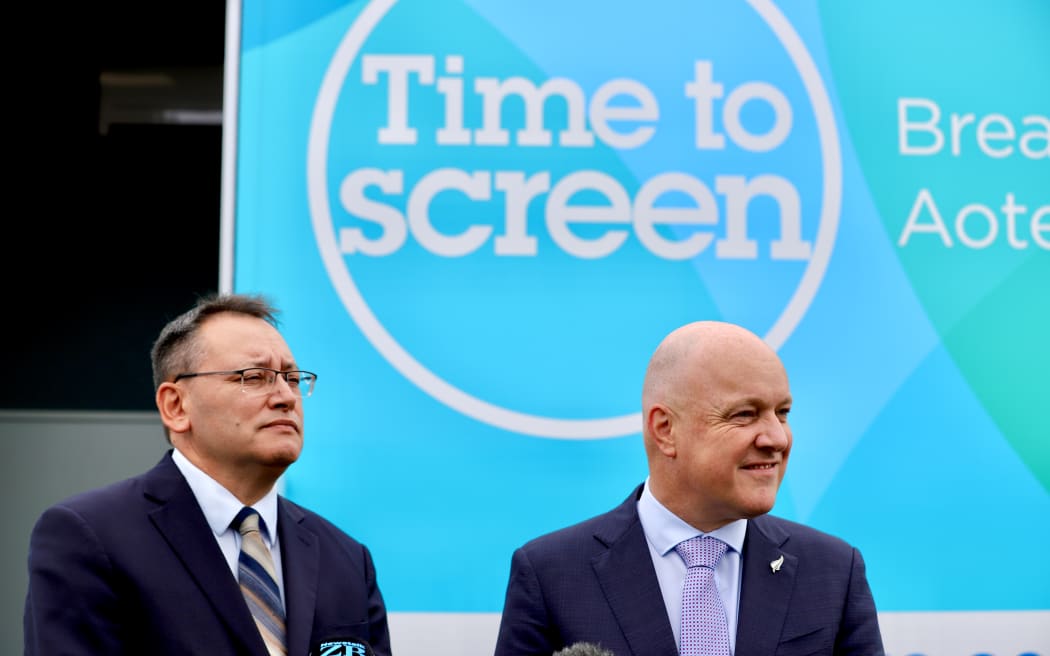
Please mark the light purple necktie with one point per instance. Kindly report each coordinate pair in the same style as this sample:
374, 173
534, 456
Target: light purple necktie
703, 631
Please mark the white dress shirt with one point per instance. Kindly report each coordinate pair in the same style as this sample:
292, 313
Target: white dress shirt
220, 507
663, 531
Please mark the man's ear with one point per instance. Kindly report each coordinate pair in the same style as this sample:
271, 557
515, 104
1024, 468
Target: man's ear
171, 402
660, 422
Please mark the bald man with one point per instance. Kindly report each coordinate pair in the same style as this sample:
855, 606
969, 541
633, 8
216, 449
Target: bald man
715, 405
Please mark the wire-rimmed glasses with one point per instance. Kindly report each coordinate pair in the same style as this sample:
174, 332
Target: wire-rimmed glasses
260, 380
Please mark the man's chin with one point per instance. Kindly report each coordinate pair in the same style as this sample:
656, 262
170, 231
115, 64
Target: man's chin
282, 458
760, 506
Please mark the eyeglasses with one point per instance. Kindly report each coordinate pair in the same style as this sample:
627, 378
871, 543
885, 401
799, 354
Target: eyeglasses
259, 380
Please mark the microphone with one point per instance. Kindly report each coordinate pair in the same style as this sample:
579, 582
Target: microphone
341, 646
583, 649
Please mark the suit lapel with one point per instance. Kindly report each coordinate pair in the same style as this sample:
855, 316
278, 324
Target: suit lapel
625, 572
300, 552
764, 594
179, 519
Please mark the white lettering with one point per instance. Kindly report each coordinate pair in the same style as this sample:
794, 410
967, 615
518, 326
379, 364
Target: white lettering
571, 202
739, 193
924, 199
969, 233
398, 68
704, 91
534, 133
905, 127
475, 186
958, 123
352, 197
1035, 135
918, 120
960, 226
1010, 210
782, 117
646, 215
519, 192
453, 133
560, 214
986, 133
1041, 227
601, 113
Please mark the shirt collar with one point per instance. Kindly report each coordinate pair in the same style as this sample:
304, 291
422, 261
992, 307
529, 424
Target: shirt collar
665, 530
219, 505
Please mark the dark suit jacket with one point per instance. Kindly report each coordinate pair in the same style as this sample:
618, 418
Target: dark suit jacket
133, 568
594, 582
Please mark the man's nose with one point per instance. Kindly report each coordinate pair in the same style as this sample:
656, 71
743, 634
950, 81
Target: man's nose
282, 391
775, 433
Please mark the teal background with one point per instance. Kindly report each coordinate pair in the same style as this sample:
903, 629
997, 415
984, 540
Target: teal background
919, 373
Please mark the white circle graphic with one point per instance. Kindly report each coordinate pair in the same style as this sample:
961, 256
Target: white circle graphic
471, 406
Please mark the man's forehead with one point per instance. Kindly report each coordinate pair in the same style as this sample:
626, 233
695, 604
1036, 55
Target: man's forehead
245, 336
747, 381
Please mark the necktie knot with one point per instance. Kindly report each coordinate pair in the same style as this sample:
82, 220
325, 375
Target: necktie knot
701, 551
247, 520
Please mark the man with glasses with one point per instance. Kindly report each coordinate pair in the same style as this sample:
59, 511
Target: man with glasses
156, 564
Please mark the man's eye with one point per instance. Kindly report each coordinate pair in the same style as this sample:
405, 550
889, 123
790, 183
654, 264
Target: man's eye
253, 376
293, 379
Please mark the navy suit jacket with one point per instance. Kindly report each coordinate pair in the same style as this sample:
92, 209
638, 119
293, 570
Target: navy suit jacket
594, 582
133, 568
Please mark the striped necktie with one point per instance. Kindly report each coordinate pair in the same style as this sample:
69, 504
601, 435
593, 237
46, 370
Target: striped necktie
255, 572
704, 631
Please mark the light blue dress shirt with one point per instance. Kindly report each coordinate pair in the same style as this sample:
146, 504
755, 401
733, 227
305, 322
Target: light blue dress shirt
220, 507
663, 531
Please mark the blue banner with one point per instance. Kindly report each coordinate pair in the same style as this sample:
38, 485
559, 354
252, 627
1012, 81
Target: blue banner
481, 217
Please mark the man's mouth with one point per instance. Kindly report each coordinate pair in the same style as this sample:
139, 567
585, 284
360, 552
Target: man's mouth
282, 423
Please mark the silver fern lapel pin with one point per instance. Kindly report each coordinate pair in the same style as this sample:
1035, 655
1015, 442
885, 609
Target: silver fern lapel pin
775, 565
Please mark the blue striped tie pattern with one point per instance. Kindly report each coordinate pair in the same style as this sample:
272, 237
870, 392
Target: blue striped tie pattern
255, 572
